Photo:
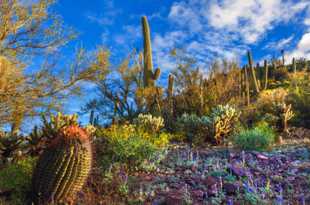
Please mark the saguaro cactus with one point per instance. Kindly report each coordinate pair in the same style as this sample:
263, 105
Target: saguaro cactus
250, 59
283, 57
149, 76
170, 86
247, 85
294, 65
63, 167
266, 74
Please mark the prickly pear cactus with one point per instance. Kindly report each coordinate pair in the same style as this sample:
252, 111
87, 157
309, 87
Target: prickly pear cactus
63, 167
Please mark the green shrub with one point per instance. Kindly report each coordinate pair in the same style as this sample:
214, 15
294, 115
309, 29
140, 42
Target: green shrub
128, 145
16, 178
261, 137
192, 127
273, 107
299, 97
280, 74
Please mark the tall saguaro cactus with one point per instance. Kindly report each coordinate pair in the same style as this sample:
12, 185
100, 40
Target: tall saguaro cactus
63, 167
294, 65
170, 86
149, 76
283, 57
266, 74
250, 60
247, 85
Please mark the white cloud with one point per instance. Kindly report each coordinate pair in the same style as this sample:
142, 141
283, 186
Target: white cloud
281, 44
99, 19
107, 17
304, 43
162, 46
252, 18
302, 50
184, 15
214, 29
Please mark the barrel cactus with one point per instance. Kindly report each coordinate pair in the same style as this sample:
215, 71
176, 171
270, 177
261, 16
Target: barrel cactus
63, 167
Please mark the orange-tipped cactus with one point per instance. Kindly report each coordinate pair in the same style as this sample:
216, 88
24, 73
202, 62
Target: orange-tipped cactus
63, 167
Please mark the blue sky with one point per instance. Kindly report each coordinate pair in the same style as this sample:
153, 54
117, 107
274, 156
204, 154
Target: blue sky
206, 29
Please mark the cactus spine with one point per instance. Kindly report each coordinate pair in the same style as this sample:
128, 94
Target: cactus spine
148, 75
250, 59
63, 167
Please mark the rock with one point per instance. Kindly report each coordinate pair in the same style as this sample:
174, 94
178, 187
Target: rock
304, 170
237, 171
211, 183
159, 201
194, 168
188, 172
174, 198
230, 188
261, 156
198, 194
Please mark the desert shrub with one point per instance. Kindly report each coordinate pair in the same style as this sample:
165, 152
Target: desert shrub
192, 127
280, 73
149, 123
221, 122
299, 97
129, 145
273, 107
260, 137
16, 178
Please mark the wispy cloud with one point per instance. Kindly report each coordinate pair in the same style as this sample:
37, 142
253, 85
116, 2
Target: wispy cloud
105, 18
281, 44
302, 50
224, 28
102, 20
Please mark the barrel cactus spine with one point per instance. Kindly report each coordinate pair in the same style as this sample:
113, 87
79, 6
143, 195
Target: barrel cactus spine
63, 167
149, 76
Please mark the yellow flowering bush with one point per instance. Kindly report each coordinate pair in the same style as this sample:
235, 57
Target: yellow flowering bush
129, 144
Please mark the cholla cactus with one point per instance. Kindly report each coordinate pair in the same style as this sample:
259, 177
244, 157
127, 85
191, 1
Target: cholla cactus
222, 121
287, 114
149, 123
63, 167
